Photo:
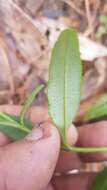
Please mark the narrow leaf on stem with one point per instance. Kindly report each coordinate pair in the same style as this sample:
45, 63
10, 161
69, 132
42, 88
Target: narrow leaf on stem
99, 109
11, 126
29, 102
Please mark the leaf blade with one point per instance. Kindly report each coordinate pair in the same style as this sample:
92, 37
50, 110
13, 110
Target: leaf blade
7, 117
13, 131
100, 181
29, 101
65, 75
97, 110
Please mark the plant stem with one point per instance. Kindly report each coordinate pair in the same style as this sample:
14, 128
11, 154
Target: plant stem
29, 102
24, 129
8, 118
85, 149
16, 126
70, 148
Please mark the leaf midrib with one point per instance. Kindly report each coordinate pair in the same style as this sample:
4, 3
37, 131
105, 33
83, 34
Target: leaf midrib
64, 98
19, 127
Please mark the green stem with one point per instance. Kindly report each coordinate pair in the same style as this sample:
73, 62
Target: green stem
85, 149
70, 148
24, 129
16, 126
29, 102
8, 118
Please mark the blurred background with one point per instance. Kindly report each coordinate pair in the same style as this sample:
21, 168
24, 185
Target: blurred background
28, 30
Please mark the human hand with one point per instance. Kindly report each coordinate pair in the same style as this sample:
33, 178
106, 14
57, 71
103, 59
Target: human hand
29, 164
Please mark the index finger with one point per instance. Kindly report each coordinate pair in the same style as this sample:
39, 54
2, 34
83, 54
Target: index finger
36, 114
93, 135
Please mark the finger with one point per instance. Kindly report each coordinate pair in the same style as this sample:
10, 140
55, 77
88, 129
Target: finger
33, 160
72, 135
36, 114
10, 109
4, 140
68, 160
49, 187
71, 182
93, 135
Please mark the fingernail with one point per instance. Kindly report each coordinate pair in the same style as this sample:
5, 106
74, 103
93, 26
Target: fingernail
46, 128
35, 135
43, 131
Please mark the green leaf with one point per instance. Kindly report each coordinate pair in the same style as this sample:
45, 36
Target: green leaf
13, 129
4, 117
27, 122
103, 19
65, 76
99, 109
29, 101
100, 181
101, 31
17, 127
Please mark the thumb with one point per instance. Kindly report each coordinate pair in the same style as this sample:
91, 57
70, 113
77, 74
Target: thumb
30, 163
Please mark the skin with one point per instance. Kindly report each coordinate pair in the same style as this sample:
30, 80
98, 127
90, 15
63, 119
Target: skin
35, 162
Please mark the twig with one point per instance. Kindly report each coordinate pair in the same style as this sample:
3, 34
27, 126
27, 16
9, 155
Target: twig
26, 16
6, 7
5, 92
89, 18
4, 53
89, 31
69, 2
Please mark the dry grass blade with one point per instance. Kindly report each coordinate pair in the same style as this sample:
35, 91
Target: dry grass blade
7, 66
11, 3
22, 12
28, 40
71, 4
4, 92
89, 17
